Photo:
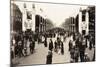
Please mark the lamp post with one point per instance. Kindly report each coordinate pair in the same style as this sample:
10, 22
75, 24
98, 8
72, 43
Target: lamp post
24, 17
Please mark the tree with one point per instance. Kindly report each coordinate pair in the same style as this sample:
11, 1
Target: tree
49, 24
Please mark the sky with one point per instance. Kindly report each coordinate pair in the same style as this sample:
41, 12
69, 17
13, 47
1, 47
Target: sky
57, 13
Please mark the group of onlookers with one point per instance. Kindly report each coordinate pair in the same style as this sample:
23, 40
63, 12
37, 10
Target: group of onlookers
77, 47
22, 46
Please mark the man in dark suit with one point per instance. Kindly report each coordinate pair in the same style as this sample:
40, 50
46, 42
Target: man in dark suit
49, 58
50, 45
82, 45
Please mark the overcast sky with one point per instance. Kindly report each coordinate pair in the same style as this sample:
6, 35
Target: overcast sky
57, 13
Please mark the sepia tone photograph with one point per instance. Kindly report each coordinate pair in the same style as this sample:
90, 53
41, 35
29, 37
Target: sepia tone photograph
51, 33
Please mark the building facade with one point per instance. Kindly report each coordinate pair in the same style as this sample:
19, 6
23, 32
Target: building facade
16, 18
28, 18
40, 25
92, 20
72, 26
84, 22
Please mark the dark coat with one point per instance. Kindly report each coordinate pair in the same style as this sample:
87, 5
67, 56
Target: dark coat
62, 48
49, 59
58, 43
51, 45
81, 47
45, 43
70, 45
55, 45
32, 45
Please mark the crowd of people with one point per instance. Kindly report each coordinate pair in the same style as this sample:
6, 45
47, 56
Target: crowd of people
24, 45
78, 45
57, 47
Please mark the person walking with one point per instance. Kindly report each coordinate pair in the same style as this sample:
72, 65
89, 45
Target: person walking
76, 54
90, 44
55, 49
50, 45
45, 42
70, 45
62, 48
20, 53
82, 49
49, 58
72, 51
32, 45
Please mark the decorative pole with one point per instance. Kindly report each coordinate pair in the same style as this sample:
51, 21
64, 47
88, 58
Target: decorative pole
80, 20
24, 25
87, 22
33, 17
